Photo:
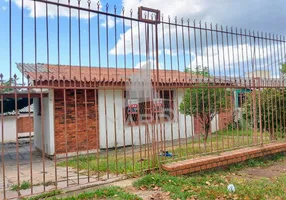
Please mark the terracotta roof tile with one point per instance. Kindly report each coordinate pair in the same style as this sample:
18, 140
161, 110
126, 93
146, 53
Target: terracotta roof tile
47, 72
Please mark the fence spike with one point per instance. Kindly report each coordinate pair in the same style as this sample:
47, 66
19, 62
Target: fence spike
98, 5
106, 7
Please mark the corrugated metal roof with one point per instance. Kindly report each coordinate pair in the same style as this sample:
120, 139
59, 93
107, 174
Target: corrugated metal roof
26, 109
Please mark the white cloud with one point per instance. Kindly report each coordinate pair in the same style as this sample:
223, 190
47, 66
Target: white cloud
110, 22
53, 9
211, 11
148, 64
237, 60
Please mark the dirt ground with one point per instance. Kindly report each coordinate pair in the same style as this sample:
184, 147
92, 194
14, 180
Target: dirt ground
269, 172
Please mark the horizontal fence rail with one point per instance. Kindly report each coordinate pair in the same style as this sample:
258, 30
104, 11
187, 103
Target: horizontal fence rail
93, 93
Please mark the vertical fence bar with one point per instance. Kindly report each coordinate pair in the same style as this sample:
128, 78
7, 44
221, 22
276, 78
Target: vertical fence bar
132, 61
10, 42
179, 80
125, 81
30, 141
164, 84
201, 73
86, 130
196, 82
139, 116
247, 83
214, 89
97, 129
157, 84
259, 94
232, 101
190, 90
282, 89
275, 90
106, 135
76, 129
66, 135
184, 89
43, 134
70, 42
54, 126
3, 147
17, 139
266, 79
89, 44
116, 81
278, 84
208, 89
272, 130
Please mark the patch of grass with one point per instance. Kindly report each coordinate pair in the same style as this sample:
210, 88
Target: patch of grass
214, 186
24, 185
112, 192
218, 141
44, 195
258, 162
113, 165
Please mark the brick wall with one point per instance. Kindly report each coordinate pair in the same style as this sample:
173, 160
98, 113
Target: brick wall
25, 124
82, 135
226, 158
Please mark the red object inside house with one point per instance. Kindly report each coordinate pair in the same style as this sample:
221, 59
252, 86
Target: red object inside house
158, 107
133, 109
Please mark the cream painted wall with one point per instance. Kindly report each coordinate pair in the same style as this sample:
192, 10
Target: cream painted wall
47, 118
113, 129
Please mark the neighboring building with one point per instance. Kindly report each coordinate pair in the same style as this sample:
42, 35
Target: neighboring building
252, 81
99, 114
17, 125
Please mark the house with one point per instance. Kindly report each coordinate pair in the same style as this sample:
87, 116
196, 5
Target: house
258, 79
17, 124
107, 108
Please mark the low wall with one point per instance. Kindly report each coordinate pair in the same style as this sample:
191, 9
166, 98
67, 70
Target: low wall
226, 158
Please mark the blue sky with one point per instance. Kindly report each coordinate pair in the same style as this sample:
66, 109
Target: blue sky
255, 15
29, 41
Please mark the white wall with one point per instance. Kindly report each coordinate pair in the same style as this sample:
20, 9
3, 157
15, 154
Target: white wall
215, 124
107, 122
9, 127
48, 124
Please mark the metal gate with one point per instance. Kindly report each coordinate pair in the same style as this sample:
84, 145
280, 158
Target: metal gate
114, 93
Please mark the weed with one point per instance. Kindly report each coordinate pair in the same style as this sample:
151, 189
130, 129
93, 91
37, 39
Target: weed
23, 186
213, 184
112, 192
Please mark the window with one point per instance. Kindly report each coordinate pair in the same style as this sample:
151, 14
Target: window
241, 99
140, 110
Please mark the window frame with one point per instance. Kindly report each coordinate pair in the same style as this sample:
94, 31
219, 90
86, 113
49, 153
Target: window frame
166, 97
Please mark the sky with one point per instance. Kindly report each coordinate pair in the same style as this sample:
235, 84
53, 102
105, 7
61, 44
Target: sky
49, 36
